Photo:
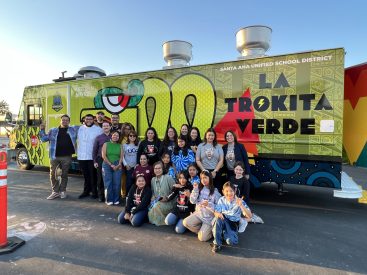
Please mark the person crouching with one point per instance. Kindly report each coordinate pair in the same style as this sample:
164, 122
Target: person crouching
227, 214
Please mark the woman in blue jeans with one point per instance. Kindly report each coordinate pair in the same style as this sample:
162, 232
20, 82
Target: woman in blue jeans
112, 169
137, 203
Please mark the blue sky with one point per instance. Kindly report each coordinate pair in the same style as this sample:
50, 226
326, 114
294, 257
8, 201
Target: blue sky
40, 39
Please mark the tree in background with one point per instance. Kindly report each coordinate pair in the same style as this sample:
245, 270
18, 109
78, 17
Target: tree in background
4, 107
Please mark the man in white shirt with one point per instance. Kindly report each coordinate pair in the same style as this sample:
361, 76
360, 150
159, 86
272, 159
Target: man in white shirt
86, 135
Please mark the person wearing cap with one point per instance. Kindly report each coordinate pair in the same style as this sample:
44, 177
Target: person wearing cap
100, 118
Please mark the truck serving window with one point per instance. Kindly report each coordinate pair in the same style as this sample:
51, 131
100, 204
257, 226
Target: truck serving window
34, 115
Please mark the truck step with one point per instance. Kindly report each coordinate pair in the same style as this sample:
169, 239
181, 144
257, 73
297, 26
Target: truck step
350, 189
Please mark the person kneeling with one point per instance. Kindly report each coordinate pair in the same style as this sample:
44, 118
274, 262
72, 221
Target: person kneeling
227, 216
137, 202
181, 192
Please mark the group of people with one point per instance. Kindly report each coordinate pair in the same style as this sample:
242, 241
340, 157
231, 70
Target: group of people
182, 180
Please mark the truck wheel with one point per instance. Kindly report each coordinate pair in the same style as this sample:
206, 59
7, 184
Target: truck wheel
23, 160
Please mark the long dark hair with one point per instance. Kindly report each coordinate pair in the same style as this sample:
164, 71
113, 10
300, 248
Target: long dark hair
186, 176
211, 130
156, 139
187, 126
234, 136
168, 165
185, 149
211, 183
198, 140
166, 139
134, 133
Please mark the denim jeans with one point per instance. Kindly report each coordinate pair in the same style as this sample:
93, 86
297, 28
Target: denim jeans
137, 220
227, 229
112, 182
172, 219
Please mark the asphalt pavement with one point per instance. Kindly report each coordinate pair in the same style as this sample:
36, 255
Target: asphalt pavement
305, 231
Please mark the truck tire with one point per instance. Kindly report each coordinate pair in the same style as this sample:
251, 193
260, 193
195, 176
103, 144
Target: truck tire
23, 161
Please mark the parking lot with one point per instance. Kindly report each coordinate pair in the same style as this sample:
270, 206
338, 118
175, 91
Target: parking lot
306, 231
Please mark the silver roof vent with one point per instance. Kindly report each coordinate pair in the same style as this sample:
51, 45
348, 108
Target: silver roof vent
253, 41
91, 72
78, 76
177, 53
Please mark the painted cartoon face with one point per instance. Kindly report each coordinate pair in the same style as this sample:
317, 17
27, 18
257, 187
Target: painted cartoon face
204, 180
228, 192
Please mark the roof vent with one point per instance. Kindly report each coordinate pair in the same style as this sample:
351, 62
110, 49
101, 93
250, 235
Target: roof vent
177, 53
91, 72
78, 76
253, 41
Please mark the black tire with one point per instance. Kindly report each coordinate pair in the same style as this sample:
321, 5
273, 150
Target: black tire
23, 161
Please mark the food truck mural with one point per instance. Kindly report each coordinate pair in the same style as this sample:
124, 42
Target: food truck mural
287, 110
355, 113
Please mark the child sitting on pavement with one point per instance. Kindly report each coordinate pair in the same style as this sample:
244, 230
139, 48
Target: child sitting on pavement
137, 202
205, 196
181, 192
227, 216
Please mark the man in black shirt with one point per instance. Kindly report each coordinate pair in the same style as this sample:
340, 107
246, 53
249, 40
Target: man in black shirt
115, 123
62, 146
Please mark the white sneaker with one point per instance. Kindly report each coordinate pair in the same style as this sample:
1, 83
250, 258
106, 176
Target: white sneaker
116, 203
242, 226
63, 195
109, 203
53, 195
256, 219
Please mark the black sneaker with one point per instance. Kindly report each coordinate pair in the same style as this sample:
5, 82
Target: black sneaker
216, 248
83, 195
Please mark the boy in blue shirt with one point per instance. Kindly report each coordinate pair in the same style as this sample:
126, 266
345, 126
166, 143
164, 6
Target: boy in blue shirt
227, 214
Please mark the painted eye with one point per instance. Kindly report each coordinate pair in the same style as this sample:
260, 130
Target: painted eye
115, 103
